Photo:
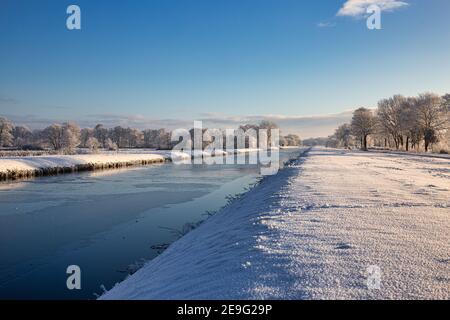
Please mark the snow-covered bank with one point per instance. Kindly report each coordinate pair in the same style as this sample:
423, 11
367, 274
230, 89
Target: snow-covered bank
312, 231
25, 167
22, 167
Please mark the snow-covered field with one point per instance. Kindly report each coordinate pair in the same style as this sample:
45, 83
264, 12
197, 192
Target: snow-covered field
312, 231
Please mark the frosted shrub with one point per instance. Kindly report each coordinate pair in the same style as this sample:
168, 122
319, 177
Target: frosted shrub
93, 144
110, 145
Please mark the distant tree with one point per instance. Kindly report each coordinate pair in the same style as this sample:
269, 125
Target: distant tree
332, 142
409, 126
62, 137
163, 140
123, 137
111, 145
101, 134
93, 144
343, 135
446, 101
134, 138
291, 140
22, 136
389, 114
38, 139
85, 135
363, 125
54, 136
431, 117
312, 142
150, 138
71, 136
6, 130
269, 126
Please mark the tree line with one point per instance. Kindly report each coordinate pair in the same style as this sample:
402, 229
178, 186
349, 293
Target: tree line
68, 136
400, 123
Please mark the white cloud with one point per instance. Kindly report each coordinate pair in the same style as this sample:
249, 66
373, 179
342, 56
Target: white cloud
358, 8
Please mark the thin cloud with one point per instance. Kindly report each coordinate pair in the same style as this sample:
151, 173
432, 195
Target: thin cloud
305, 126
326, 24
8, 100
358, 8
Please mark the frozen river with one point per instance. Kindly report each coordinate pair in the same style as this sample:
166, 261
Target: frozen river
103, 221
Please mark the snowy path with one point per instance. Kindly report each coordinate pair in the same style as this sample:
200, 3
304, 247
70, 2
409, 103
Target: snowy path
312, 231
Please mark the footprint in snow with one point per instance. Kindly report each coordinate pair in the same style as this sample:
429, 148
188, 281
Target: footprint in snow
447, 261
343, 246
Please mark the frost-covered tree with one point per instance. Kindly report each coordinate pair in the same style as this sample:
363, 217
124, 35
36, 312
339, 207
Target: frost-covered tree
85, 135
409, 126
93, 144
446, 100
101, 134
119, 136
6, 132
389, 114
291, 140
343, 134
22, 136
363, 125
62, 137
431, 117
71, 136
111, 145
134, 138
54, 136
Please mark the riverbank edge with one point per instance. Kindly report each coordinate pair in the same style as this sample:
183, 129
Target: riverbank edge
116, 291
40, 171
20, 168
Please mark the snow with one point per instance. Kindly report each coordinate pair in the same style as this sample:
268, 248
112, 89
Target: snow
313, 231
18, 167
68, 161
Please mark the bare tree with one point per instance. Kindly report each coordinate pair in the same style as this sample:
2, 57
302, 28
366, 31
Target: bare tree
363, 125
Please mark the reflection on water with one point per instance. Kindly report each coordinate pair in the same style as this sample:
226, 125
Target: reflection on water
103, 221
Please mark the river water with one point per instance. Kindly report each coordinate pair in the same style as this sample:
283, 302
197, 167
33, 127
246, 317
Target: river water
105, 222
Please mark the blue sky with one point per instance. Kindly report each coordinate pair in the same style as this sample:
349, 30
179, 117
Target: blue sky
156, 62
